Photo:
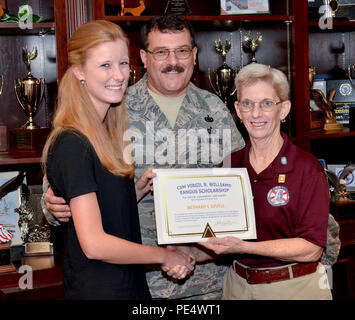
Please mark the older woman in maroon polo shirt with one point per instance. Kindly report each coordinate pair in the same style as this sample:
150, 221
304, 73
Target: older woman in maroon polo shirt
291, 201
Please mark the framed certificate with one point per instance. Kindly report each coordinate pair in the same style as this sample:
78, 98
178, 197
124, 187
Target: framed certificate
244, 7
192, 205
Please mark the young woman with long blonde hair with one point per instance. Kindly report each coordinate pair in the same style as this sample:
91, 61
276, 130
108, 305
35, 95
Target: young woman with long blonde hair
87, 162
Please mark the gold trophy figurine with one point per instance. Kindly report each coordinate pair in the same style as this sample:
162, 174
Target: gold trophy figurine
253, 43
28, 90
224, 75
29, 93
326, 105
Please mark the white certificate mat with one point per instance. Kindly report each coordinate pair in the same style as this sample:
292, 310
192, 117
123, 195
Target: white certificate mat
194, 204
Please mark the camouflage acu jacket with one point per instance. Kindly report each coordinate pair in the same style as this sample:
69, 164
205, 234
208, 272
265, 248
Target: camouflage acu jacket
203, 121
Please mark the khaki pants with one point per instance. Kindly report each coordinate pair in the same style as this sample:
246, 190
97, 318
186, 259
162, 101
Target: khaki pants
312, 286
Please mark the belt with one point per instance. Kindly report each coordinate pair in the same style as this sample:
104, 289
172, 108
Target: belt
258, 276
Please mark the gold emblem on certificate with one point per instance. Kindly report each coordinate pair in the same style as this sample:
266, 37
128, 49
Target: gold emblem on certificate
192, 205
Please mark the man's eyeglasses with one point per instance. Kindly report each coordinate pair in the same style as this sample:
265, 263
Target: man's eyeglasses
265, 105
163, 54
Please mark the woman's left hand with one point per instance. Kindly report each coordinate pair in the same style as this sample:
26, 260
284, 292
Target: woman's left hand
144, 184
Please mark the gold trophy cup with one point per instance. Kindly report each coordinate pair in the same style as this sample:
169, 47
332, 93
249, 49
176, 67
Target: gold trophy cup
29, 93
252, 43
28, 90
224, 75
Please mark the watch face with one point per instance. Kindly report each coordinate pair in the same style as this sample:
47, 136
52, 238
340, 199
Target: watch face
345, 89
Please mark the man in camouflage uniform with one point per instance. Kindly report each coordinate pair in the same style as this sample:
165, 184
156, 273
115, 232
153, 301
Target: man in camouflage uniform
201, 134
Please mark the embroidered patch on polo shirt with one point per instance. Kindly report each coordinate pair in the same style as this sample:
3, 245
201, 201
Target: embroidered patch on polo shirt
278, 196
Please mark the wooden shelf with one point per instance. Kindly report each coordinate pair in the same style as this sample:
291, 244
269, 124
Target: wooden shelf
7, 158
324, 135
261, 18
227, 22
38, 25
13, 28
337, 25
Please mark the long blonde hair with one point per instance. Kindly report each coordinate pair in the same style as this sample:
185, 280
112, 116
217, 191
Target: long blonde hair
75, 110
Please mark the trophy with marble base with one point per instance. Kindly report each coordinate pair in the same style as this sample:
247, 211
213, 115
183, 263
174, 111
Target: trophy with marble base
29, 93
35, 231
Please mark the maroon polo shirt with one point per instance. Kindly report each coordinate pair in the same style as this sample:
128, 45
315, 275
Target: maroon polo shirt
297, 207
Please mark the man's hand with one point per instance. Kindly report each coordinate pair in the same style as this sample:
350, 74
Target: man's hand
144, 183
57, 206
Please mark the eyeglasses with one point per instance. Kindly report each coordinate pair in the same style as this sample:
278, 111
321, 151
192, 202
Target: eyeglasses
163, 54
265, 105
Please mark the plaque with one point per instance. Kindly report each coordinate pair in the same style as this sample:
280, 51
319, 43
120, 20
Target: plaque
244, 7
192, 205
178, 7
38, 248
22, 139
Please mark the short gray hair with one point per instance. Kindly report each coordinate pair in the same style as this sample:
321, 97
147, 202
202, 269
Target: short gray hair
254, 72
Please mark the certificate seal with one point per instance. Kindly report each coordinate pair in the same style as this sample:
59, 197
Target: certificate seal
278, 196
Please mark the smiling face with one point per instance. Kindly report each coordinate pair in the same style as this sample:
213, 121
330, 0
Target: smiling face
106, 74
169, 77
262, 125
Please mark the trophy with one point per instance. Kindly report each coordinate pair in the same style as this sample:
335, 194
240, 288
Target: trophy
224, 75
326, 105
317, 116
3, 128
177, 7
34, 228
252, 43
29, 93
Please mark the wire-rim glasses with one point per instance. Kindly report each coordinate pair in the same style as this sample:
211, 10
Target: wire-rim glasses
266, 105
163, 54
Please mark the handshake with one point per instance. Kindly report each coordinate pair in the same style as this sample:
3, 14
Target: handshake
179, 261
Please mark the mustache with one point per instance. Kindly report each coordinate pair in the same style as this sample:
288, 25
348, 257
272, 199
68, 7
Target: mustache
171, 68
